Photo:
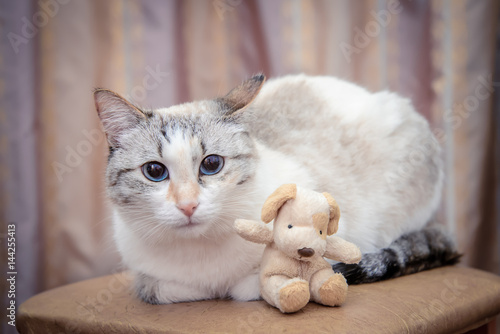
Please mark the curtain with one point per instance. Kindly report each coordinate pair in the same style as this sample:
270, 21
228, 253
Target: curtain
441, 54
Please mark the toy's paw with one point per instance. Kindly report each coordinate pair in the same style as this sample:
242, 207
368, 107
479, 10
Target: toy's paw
253, 231
334, 291
354, 256
294, 296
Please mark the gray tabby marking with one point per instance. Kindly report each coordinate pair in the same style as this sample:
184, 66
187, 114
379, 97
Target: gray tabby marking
119, 174
147, 288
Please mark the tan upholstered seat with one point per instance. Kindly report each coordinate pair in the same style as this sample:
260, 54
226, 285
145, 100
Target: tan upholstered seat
445, 300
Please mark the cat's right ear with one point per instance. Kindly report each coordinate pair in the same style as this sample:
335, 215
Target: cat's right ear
241, 96
116, 113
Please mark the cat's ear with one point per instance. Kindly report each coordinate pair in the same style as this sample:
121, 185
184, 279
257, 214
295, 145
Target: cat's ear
116, 113
333, 224
240, 97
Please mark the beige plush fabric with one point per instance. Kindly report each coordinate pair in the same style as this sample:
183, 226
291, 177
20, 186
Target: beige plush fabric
293, 270
333, 225
276, 200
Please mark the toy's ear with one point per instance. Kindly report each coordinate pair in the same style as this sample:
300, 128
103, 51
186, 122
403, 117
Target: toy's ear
276, 201
333, 224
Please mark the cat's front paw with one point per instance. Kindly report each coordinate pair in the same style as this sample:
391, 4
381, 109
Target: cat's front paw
156, 291
248, 288
147, 289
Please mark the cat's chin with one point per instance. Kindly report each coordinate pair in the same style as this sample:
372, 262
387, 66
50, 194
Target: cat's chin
190, 229
207, 229
189, 226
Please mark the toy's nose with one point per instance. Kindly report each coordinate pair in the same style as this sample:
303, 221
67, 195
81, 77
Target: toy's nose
306, 252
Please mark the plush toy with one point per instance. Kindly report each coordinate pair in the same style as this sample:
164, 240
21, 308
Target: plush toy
293, 270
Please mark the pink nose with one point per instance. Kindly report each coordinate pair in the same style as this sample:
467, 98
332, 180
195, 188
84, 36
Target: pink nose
187, 208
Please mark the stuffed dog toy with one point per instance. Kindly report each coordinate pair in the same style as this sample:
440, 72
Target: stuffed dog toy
293, 270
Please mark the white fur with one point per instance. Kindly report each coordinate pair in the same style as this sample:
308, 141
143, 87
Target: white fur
376, 133
207, 268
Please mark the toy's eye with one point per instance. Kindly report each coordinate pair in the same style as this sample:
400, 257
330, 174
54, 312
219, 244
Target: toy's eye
154, 171
290, 226
320, 232
211, 165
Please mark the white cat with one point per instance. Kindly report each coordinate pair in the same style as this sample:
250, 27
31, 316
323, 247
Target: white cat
178, 177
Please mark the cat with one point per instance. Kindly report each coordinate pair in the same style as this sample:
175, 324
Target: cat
178, 178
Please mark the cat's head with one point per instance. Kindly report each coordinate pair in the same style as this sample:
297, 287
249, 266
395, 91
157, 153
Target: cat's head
182, 171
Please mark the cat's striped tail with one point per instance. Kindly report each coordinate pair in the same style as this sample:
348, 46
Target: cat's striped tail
410, 253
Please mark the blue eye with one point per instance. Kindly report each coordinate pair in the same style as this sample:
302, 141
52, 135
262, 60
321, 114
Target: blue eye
211, 165
154, 171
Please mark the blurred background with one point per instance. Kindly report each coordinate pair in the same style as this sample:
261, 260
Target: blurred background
443, 55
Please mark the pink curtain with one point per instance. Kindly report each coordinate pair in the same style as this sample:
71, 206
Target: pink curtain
441, 54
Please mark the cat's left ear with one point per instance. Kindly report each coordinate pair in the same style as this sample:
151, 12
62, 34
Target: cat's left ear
240, 97
116, 113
